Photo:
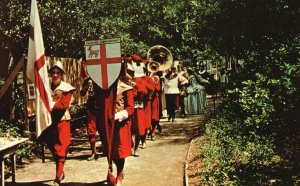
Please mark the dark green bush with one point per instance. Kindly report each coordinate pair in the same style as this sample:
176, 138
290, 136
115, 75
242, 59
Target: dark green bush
8, 129
78, 114
15, 127
259, 121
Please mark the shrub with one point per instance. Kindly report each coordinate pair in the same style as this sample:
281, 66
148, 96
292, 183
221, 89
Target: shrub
258, 122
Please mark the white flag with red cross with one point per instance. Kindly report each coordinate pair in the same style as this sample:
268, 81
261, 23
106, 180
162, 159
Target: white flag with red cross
103, 61
37, 71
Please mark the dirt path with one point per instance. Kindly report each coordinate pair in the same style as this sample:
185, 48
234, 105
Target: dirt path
160, 163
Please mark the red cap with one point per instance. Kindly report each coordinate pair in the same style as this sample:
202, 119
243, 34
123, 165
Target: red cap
145, 61
136, 57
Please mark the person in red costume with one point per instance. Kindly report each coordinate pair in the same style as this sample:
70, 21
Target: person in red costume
155, 105
148, 104
140, 89
122, 131
57, 136
88, 87
117, 140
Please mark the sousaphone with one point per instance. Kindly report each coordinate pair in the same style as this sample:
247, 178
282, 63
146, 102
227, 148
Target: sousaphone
160, 58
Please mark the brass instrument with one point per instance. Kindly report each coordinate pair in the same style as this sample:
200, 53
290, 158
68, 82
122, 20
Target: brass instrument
160, 58
153, 66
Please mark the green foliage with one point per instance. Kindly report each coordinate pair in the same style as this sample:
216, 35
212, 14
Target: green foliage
233, 151
11, 130
17, 111
77, 111
18, 97
78, 115
28, 149
8, 129
15, 127
260, 120
66, 25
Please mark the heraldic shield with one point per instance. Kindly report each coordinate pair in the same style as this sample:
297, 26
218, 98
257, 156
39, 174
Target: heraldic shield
103, 61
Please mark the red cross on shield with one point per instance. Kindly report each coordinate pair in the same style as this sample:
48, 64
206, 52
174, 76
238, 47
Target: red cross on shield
103, 61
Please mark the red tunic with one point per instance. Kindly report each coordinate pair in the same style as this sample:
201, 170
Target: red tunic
122, 131
148, 99
58, 135
155, 99
91, 109
106, 100
139, 125
91, 126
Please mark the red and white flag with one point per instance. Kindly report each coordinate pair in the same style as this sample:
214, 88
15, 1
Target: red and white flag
37, 71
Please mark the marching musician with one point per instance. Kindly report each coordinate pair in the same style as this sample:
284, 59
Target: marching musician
147, 102
89, 87
155, 102
138, 125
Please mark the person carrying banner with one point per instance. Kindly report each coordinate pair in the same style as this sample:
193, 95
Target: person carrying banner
105, 69
89, 87
122, 131
57, 136
123, 108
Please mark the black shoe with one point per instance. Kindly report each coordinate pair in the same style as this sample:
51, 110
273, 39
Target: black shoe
173, 119
169, 118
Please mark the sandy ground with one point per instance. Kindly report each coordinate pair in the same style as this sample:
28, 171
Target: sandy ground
160, 163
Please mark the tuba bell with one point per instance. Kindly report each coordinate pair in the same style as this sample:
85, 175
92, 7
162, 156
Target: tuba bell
160, 58
153, 66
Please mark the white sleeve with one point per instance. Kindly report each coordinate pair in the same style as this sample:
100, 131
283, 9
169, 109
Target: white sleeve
182, 80
122, 115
